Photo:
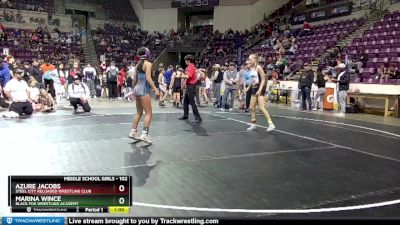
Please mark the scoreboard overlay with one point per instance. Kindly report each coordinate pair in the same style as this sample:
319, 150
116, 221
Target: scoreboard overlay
75, 194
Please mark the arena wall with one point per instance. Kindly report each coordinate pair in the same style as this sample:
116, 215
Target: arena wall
242, 17
235, 17
160, 19
156, 19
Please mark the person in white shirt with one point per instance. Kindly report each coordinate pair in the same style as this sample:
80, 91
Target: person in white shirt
131, 70
79, 94
17, 91
89, 75
34, 95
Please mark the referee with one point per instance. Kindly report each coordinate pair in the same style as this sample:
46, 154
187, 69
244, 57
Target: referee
190, 94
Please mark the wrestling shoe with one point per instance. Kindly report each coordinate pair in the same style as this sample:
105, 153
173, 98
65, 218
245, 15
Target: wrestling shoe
133, 135
145, 138
271, 127
252, 127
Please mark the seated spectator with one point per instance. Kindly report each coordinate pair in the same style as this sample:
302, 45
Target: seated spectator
293, 48
306, 29
79, 94
46, 101
363, 59
277, 45
287, 31
380, 73
17, 91
34, 94
392, 73
286, 43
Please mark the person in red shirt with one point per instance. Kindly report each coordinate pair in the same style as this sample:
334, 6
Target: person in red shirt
121, 81
306, 28
191, 81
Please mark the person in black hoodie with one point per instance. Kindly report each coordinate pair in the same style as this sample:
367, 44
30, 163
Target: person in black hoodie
35, 73
26, 69
217, 78
321, 81
343, 80
305, 83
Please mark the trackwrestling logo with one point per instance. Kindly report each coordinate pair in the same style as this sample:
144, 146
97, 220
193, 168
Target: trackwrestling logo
33, 220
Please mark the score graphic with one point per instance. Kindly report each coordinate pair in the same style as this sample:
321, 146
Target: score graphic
86, 194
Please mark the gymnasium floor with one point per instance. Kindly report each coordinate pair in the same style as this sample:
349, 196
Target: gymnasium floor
313, 165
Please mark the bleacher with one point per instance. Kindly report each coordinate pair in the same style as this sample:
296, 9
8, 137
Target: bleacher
32, 5
382, 44
323, 37
27, 49
117, 50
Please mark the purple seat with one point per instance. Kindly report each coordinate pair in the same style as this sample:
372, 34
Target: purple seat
391, 81
379, 64
383, 55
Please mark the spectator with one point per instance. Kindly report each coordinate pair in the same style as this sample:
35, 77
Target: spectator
74, 72
392, 72
79, 94
231, 79
380, 73
293, 49
121, 80
89, 75
34, 94
321, 81
363, 59
287, 31
48, 74
305, 83
343, 81
217, 78
26, 76
11, 63
306, 28
3, 101
167, 78
36, 74
112, 79
5, 74
17, 91
247, 85
46, 101
103, 66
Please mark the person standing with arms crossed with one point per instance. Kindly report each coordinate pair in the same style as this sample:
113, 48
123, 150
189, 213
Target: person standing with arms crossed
190, 75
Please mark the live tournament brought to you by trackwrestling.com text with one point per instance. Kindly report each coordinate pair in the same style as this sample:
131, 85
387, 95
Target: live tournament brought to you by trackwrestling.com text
104, 221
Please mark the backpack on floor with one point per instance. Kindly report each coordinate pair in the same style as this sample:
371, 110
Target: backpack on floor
352, 108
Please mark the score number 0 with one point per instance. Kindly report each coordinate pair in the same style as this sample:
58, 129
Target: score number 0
121, 200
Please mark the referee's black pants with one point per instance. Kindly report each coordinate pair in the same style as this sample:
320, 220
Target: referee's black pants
190, 100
